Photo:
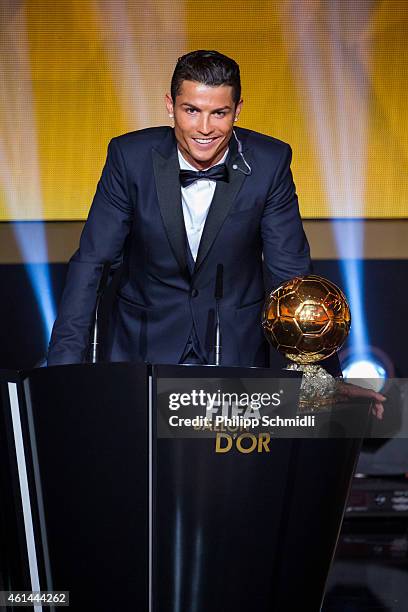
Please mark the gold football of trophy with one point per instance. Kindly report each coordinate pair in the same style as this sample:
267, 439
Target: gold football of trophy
308, 319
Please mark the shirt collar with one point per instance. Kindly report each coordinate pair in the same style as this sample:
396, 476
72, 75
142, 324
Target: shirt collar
185, 165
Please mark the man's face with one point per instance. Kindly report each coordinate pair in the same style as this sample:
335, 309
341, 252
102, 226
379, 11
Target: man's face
203, 121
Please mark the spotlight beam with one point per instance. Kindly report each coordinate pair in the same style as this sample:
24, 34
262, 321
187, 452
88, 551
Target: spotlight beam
333, 77
19, 152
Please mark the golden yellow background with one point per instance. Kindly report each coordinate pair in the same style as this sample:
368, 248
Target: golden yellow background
76, 73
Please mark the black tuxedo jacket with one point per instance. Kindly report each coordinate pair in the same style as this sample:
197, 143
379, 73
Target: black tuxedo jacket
136, 217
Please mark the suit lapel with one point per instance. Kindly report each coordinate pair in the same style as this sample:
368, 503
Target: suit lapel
222, 201
166, 172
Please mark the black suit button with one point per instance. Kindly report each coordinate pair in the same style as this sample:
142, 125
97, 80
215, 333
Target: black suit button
194, 292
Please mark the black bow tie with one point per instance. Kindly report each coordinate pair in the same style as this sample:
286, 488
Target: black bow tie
216, 173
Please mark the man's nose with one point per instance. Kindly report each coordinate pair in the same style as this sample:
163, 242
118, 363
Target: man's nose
205, 126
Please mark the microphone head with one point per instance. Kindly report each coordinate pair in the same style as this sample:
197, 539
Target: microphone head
239, 145
219, 282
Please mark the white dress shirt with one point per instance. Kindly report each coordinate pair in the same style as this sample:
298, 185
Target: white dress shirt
196, 201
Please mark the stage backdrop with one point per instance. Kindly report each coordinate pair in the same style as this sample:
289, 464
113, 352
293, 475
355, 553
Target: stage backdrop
330, 78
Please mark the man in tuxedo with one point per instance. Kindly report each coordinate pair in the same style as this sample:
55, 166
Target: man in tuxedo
173, 204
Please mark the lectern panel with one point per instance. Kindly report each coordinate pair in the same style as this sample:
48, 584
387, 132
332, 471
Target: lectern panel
248, 525
86, 447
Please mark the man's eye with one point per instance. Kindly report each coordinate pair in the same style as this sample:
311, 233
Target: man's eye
191, 110
220, 113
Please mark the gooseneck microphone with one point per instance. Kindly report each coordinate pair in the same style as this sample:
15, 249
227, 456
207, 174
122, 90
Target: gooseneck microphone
99, 293
218, 294
235, 166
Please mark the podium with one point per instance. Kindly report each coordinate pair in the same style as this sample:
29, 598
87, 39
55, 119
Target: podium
99, 501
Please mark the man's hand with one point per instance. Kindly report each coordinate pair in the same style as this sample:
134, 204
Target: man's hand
349, 391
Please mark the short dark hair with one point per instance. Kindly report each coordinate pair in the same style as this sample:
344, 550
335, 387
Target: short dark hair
207, 67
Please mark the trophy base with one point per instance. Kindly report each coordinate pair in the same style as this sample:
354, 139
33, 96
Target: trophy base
318, 387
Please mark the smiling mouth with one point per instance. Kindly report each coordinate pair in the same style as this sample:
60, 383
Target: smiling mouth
204, 141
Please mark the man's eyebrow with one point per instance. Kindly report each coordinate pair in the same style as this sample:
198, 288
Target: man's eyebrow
216, 110
190, 105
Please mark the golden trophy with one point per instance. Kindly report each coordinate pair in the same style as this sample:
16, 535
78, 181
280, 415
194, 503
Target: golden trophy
307, 319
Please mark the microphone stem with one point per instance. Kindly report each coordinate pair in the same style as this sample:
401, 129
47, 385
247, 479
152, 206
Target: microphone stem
99, 293
94, 357
217, 334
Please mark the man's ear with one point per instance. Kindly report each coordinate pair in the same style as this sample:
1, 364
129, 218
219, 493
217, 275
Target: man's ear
238, 109
169, 105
